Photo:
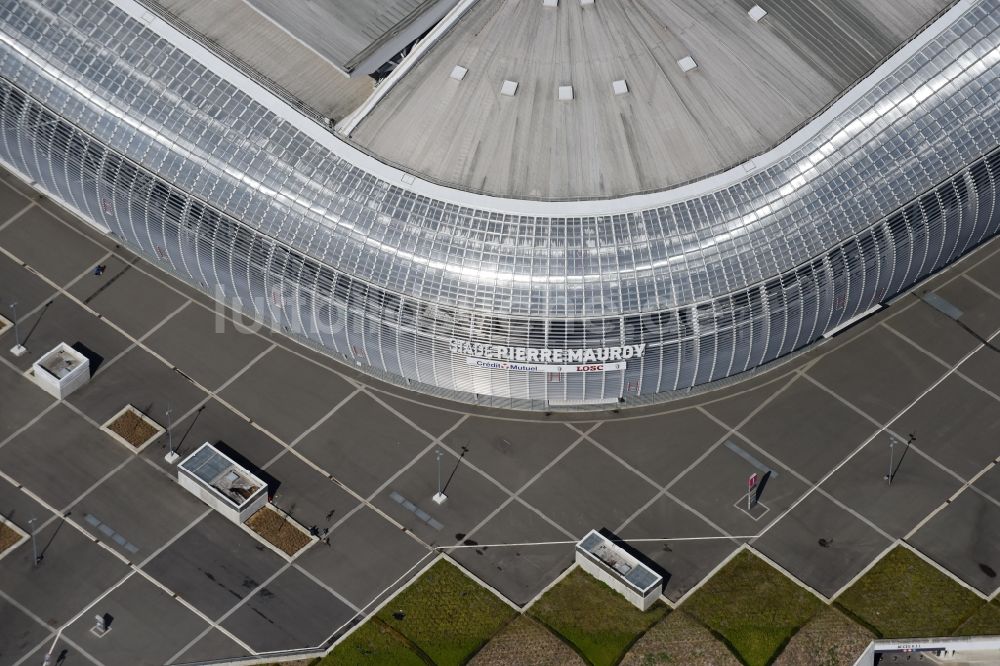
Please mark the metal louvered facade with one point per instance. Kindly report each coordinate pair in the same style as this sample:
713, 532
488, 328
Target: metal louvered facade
187, 169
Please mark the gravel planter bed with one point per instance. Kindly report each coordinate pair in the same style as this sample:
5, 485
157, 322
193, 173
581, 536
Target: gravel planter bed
525, 641
278, 530
829, 639
8, 537
132, 428
680, 639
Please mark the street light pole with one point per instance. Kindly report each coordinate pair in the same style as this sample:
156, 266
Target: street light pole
892, 447
439, 497
18, 349
34, 548
171, 455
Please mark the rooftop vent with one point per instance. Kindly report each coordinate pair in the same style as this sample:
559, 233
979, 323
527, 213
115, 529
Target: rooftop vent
508, 88
686, 64
565, 93
619, 87
586, 2
458, 73
757, 13
550, 3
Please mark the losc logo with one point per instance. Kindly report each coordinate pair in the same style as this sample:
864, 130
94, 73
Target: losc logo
590, 368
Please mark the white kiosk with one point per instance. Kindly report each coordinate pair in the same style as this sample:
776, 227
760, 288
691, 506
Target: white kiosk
620, 570
218, 481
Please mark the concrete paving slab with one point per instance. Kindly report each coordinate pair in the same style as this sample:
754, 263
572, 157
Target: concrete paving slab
934, 331
291, 612
19, 284
510, 451
681, 563
215, 423
987, 271
19, 634
138, 378
52, 248
285, 393
18, 507
12, 201
363, 457
734, 404
957, 424
431, 419
214, 645
137, 510
983, 367
878, 372
980, 309
661, 446
366, 555
309, 497
65, 321
60, 456
918, 486
207, 348
808, 429
588, 489
989, 482
146, 627
716, 487
214, 565
131, 299
821, 544
73, 571
22, 401
965, 539
471, 497
518, 572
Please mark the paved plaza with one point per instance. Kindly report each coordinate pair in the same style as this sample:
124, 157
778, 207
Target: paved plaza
358, 461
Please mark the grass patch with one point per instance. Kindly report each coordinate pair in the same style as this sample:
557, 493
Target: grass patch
984, 622
904, 597
446, 614
593, 617
752, 606
374, 644
525, 641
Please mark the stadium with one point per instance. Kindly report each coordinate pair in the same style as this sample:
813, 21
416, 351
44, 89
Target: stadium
540, 205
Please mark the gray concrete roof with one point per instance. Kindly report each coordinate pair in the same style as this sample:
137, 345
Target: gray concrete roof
755, 83
358, 36
235, 27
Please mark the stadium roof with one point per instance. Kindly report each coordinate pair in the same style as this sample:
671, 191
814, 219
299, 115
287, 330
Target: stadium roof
755, 82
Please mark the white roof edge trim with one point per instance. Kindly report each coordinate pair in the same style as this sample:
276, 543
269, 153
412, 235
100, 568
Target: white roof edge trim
512, 206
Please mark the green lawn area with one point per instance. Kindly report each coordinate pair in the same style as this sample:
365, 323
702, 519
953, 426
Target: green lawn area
374, 644
446, 614
752, 606
904, 597
984, 622
593, 617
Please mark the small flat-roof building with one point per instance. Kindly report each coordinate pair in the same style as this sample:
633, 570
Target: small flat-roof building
611, 564
223, 484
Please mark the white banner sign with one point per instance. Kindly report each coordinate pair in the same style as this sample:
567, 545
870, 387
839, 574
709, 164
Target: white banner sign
606, 356
535, 367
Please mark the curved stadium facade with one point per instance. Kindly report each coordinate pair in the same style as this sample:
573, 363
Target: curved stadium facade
502, 301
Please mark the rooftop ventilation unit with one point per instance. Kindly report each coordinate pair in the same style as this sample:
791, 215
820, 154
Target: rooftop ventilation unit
757, 13
686, 64
508, 88
584, 3
565, 93
619, 87
458, 73
550, 3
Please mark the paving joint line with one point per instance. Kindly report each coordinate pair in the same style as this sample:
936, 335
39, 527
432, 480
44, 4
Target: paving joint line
10, 220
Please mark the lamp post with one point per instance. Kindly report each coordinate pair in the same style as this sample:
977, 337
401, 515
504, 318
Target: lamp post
18, 349
171, 454
439, 497
34, 548
892, 445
